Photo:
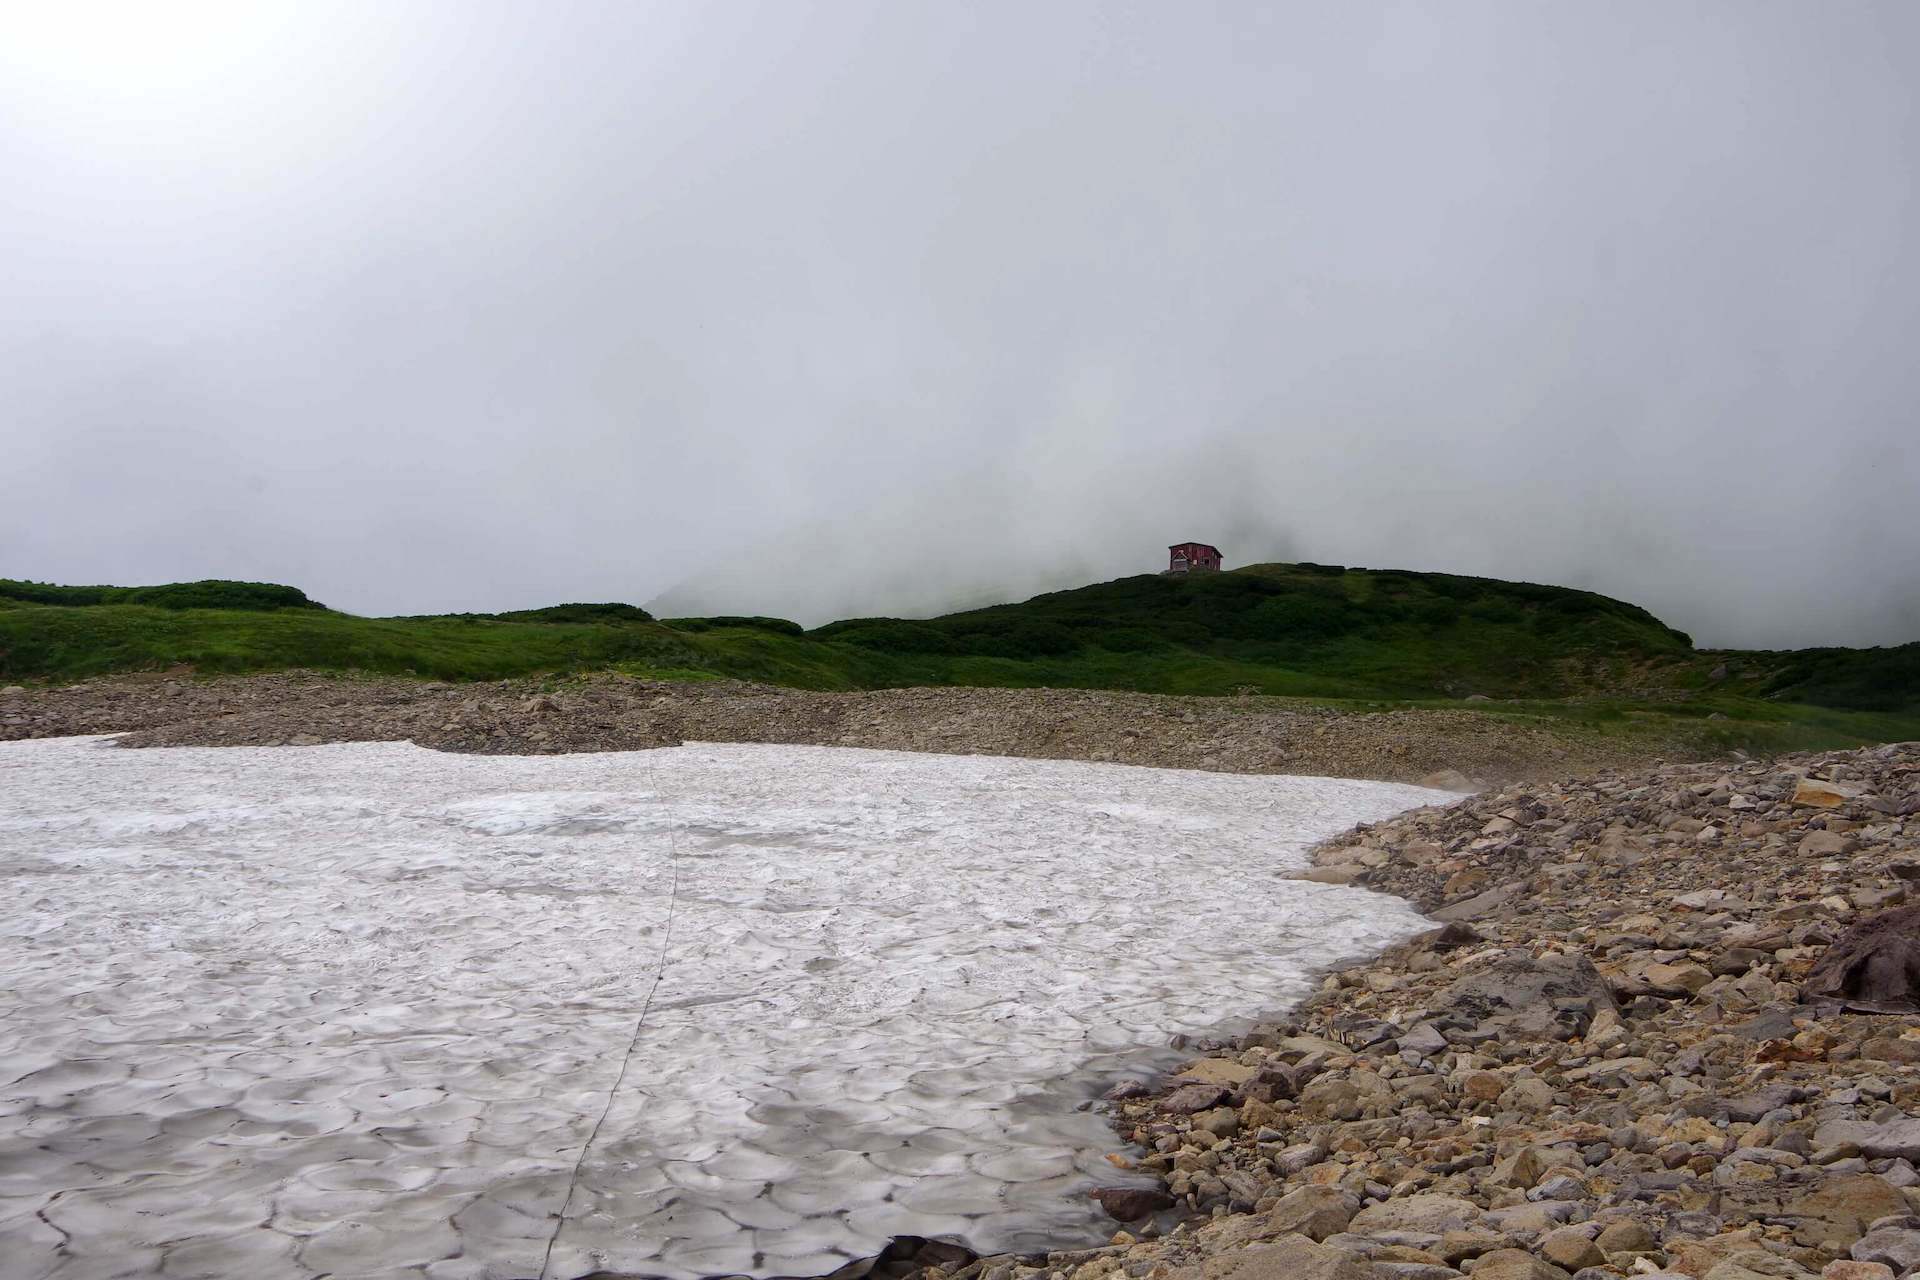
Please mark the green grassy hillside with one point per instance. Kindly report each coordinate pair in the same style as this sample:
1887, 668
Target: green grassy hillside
1316, 631
209, 594
1301, 628
96, 630
1877, 679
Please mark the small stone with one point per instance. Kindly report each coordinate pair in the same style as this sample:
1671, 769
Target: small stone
1707, 900
1457, 1246
1430, 1214
1896, 1247
1482, 1086
1900, 1049
1424, 1039
1844, 1269
1814, 793
1519, 1170
1335, 874
1515, 1264
1332, 1097
1130, 1204
1562, 1186
1625, 1236
1532, 1219
1481, 905
1874, 965
1531, 1094
1192, 1098
1569, 1247
1684, 977
1220, 1071
1288, 1258
1822, 844
1300, 1157
1314, 1212
1221, 1122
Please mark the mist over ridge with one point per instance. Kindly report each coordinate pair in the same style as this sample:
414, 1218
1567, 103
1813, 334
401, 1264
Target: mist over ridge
863, 308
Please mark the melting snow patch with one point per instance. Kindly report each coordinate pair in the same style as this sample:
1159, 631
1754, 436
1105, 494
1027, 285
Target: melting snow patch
354, 1010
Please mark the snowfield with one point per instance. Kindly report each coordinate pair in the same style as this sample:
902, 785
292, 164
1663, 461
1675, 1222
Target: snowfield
356, 1010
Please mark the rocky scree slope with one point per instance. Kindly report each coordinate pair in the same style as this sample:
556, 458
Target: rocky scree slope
1637, 1045
619, 713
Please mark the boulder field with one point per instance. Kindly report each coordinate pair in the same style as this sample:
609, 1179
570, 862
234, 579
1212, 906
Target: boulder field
1665, 1026
1444, 747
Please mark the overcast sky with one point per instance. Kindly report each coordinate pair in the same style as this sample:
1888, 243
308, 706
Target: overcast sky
839, 308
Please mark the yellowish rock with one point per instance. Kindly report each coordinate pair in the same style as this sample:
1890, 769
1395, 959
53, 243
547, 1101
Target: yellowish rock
1482, 1086
1221, 1071
1818, 794
1685, 976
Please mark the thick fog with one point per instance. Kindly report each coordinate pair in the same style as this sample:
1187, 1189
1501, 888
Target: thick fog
840, 308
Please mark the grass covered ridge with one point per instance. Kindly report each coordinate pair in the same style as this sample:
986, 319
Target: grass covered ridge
1316, 631
1349, 630
213, 593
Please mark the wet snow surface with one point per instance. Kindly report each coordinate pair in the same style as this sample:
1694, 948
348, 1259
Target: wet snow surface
354, 1010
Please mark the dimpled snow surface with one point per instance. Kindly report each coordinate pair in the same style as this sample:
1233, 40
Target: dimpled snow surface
357, 1010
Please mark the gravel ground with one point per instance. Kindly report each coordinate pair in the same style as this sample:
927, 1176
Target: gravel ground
1669, 1026
612, 713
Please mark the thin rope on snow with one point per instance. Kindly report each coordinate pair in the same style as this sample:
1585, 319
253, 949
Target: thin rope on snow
633, 1041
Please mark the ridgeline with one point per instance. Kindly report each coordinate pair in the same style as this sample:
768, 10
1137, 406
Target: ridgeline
1321, 632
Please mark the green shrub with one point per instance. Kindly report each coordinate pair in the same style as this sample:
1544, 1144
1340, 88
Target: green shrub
1127, 640
887, 635
220, 595
1501, 613
212, 593
1305, 629
48, 593
1304, 615
1877, 679
612, 612
779, 626
1009, 637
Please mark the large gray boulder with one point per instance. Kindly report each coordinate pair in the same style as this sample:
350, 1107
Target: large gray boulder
1288, 1258
1876, 1139
1426, 1214
1549, 997
1873, 966
1896, 1247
